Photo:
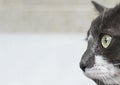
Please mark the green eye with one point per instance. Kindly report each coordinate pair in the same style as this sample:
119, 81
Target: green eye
106, 40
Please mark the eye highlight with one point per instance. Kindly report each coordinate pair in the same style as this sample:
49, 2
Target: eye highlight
106, 40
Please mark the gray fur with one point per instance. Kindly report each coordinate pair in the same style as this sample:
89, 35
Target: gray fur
108, 22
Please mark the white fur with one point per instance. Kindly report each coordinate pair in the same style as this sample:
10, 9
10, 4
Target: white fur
100, 60
90, 37
104, 71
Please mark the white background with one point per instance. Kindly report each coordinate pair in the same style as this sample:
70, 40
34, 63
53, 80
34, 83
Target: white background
51, 59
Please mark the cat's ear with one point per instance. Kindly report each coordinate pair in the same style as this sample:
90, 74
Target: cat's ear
99, 7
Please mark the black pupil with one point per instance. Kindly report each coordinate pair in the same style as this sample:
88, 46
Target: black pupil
106, 40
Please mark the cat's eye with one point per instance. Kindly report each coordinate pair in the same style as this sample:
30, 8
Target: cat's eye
106, 40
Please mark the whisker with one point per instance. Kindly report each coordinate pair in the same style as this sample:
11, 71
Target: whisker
118, 79
104, 80
116, 64
97, 81
116, 82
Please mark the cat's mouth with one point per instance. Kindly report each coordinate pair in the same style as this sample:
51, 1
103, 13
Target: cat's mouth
108, 74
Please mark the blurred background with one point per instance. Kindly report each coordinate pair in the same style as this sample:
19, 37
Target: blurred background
48, 16
42, 41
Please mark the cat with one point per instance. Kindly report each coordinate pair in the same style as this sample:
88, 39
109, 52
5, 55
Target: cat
101, 60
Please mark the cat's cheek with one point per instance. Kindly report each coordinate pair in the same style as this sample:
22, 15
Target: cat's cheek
97, 72
101, 69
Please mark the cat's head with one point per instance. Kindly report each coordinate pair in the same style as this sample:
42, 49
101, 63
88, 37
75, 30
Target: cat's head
101, 60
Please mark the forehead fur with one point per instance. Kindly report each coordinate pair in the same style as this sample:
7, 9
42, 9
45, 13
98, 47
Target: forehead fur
107, 22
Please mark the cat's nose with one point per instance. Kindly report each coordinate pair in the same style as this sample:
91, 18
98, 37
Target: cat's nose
83, 66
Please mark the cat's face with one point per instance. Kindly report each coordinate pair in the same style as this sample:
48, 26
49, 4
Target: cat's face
101, 60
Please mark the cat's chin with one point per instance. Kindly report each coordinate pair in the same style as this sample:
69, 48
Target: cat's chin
108, 81
103, 73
